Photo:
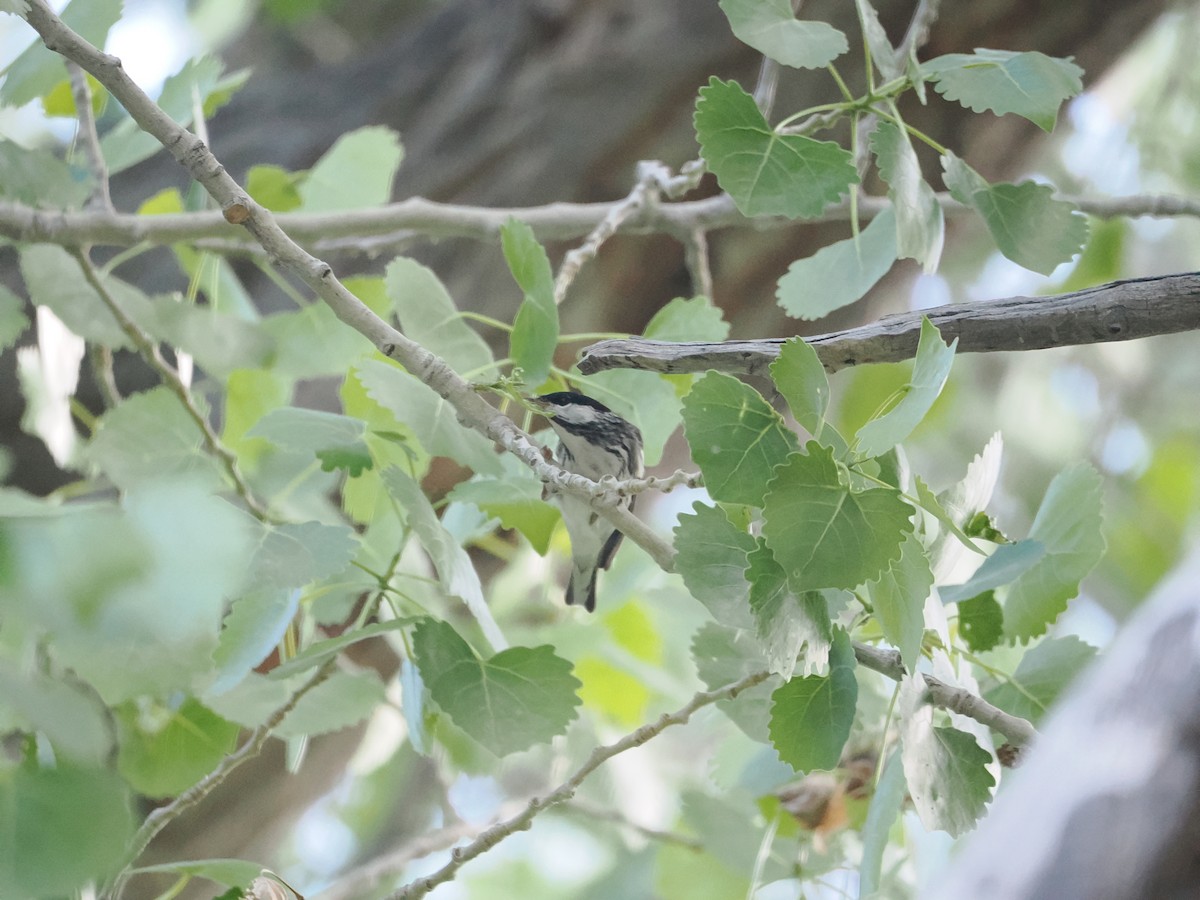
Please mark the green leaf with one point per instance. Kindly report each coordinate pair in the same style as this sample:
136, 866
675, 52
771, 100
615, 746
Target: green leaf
839, 273
1029, 84
811, 716
148, 437
1028, 225
37, 70
273, 187
515, 499
455, 571
1007, 564
688, 319
296, 554
221, 343
125, 144
1068, 526
724, 655
342, 700
429, 317
535, 329
164, 758
54, 280
825, 535
233, 872
60, 101
70, 718
898, 597
883, 54
800, 377
1043, 673
13, 320
930, 371
711, 556
355, 173
37, 178
509, 702
920, 224
767, 173
254, 627
735, 436
945, 768
981, 622
771, 28
312, 341
338, 441
319, 651
886, 803
786, 622
431, 418
59, 829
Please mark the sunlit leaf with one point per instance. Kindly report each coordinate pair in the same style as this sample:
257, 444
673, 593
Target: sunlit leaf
355, 173
771, 27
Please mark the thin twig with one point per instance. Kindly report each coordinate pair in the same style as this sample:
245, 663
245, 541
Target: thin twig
89, 138
566, 790
101, 358
148, 348
253, 745
695, 251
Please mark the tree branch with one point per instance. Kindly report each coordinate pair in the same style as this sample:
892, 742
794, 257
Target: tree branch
566, 790
384, 228
1120, 311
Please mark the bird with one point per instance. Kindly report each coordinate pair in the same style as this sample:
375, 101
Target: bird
594, 442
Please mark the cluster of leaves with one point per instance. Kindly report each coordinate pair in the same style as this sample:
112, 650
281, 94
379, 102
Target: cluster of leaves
152, 619
781, 171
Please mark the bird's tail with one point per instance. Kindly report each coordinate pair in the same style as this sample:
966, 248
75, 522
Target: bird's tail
581, 589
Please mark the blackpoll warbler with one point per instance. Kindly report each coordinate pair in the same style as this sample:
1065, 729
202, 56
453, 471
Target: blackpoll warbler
593, 442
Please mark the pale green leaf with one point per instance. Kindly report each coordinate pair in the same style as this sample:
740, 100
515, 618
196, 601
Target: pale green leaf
38, 69
148, 437
219, 342
535, 329
515, 499
1029, 226
295, 554
724, 655
839, 273
71, 719
800, 377
428, 316
883, 54
787, 622
898, 597
431, 418
688, 319
811, 716
1068, 525
163, 757
736, 437
54, 280
455, 571
886, 803
232, 872
767, 173
355, 173
60, 828
930, 371
342, 700
822, 533
274, 188
38, 178
254, 627
1006, 565
1029, 84
312, 341
920, 224
317, 434
1043, 673
319, 651
712, 557
945, 768
517, 698
771, 28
